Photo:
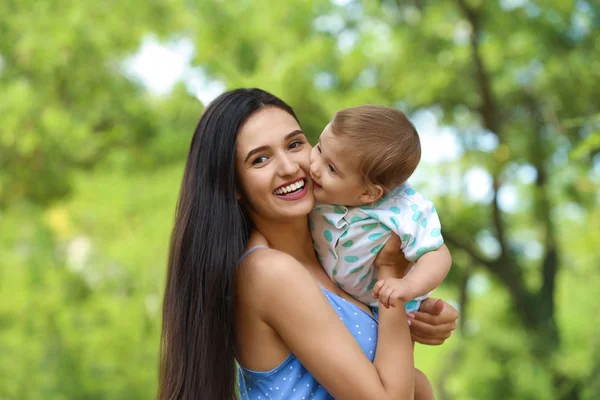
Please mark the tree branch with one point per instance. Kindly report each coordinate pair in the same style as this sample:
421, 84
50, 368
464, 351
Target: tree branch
456, 356
511, 277
487, 108
489, 114
490, 264
463, 298
549, 267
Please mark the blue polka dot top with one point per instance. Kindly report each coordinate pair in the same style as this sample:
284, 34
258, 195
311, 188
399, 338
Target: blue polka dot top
290, 380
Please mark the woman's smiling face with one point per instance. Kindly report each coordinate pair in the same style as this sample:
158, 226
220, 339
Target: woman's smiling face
272, 157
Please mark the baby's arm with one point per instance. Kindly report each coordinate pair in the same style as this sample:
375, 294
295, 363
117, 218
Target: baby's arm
418, 225
429, 272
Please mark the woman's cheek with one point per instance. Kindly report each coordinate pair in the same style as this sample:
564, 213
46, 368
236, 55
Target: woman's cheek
307, 156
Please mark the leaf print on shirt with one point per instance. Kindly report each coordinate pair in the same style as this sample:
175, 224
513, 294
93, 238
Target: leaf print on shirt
339, 209
374, 236
356, 219
417, 213
422, 250
411, 304
362, 278
373, 215
370, 285
330, 222
368, 227
376, 249
357, 269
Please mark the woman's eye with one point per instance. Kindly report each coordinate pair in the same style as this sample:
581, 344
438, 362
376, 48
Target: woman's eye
331, 169
319, 149
295, 144
259, 160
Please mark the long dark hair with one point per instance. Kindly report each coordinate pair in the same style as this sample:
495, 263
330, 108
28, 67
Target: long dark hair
210, 233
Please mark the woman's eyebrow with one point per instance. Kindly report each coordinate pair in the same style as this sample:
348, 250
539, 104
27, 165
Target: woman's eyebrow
263, 148
293, 133
256, 150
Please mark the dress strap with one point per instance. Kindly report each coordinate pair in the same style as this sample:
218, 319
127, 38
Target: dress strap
246, 254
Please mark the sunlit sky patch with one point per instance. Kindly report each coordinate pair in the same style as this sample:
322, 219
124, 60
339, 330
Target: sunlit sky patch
160, 66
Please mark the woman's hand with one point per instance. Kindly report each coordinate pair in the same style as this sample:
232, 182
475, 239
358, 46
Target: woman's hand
391, 259
433, 323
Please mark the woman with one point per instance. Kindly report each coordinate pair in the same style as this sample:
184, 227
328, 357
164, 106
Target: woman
271, 307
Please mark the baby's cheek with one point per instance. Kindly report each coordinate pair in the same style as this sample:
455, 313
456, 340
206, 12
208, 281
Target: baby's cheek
319, 195
322, 195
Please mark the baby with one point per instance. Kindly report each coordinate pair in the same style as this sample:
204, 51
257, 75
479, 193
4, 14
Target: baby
360, 169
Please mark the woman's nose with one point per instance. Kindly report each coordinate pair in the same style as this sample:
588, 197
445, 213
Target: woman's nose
288, 166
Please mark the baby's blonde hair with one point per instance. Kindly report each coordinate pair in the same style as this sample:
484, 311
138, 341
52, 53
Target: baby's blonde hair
385, 142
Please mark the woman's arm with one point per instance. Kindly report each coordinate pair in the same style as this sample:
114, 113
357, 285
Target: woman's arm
289, 300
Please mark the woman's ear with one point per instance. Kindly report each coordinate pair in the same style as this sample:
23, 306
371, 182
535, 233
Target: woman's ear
371, 194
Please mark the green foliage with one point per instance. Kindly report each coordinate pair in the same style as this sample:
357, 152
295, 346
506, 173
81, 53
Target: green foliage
66, 102
90, 164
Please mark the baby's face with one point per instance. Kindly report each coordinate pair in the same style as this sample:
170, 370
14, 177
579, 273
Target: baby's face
334, 170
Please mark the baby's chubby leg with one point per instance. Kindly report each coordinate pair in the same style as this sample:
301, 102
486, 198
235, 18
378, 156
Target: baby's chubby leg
423, 389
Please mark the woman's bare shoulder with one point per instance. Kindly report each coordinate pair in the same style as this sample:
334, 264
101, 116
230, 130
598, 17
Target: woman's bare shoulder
262, 274
266, 262
270, 264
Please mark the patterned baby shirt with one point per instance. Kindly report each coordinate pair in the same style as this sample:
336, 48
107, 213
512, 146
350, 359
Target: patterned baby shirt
347, 239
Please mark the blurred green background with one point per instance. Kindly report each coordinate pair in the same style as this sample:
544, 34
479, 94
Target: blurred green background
99, 101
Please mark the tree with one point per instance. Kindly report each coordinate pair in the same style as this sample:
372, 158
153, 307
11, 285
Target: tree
515, 71
90, 163
66, 99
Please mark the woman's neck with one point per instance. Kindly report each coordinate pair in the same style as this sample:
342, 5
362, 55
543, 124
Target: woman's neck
291, 236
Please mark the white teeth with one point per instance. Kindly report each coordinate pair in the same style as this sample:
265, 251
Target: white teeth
290, 188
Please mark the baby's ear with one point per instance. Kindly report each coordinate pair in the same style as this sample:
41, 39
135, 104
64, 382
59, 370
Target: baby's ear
371, 194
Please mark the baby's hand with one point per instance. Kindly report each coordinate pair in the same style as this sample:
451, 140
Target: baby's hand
392, 290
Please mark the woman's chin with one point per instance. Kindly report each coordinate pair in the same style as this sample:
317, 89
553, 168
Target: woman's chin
295, 208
